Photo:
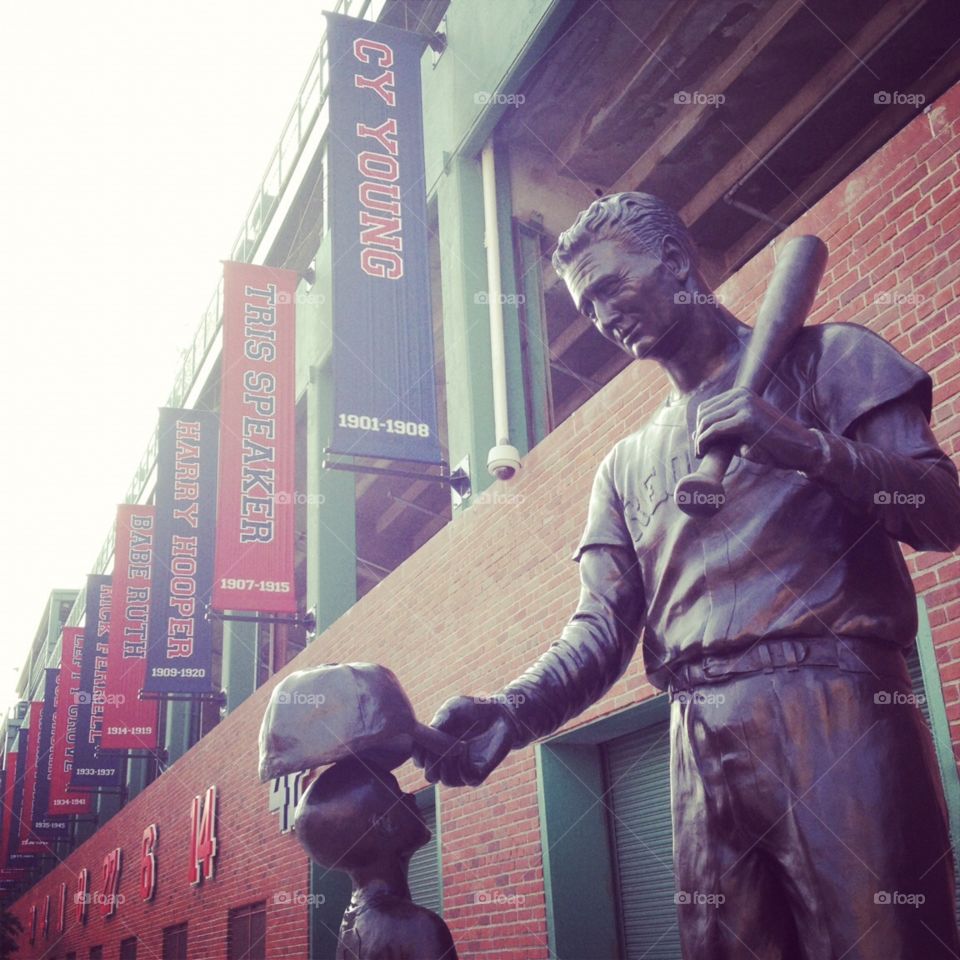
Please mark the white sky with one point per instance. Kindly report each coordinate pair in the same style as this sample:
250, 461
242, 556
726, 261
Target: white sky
134, 136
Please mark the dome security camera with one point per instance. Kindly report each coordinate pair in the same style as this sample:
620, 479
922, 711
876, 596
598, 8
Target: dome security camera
503, 461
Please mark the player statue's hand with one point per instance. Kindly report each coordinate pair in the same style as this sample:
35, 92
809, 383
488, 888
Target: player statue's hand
764, 433
487, 735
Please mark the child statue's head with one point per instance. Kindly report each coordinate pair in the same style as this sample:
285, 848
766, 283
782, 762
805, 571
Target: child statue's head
355, 814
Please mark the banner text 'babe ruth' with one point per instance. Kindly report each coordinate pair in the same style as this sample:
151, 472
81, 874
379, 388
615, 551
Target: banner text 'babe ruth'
130, 723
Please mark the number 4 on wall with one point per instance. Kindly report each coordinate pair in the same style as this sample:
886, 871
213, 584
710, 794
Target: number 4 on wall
203, 836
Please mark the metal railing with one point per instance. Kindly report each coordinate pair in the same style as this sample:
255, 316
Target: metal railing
297, 129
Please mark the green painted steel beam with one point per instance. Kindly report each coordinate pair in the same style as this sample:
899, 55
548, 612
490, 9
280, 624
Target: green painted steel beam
331, 495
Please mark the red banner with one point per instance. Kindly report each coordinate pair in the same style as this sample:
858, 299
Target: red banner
14, 855
128, 722
254, 568
6, 813
62, 799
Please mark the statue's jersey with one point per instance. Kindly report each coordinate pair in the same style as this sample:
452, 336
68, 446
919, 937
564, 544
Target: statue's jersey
783, 557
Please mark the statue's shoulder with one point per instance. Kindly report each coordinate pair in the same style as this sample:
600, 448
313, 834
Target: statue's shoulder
825, 342
397, 927
627, 449
848, 370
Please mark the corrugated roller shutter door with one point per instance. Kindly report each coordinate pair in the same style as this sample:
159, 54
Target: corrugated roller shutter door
916, 675
424, 873
638, 768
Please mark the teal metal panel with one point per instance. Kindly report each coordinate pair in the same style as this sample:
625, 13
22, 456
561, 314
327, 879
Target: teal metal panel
331, 495
533, 333
466, 326
330, 894
331, 514
491, 47
516, 387
577, 866
925, 673
177, 726
239, 669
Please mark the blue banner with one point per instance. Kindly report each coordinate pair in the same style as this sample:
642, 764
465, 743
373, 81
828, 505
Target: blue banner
385, 401
93, 770
45, 826
179, 653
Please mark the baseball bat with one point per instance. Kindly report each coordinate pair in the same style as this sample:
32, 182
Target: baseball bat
786, 304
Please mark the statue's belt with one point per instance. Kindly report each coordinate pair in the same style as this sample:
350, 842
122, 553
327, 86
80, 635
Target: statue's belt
846, 653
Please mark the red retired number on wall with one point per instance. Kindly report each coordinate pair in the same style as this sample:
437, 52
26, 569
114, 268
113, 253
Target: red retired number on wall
148, 861
80, 901
62, 909
203, 836
111, 882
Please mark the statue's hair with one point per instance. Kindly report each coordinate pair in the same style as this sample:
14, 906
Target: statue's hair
639, 219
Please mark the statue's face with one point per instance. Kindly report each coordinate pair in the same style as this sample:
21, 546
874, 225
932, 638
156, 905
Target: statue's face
630, 296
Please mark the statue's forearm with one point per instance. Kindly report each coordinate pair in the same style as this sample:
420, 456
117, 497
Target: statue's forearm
591, 654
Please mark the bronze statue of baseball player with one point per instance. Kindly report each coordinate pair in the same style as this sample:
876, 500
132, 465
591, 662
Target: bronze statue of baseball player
808, 793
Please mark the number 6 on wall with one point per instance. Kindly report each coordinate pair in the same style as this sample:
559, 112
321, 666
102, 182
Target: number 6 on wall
148, 861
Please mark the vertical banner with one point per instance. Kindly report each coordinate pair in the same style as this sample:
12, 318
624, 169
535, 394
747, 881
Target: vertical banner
256, 509
92, 770
14, 868
30, 840
23, 848
65, 707
10, 822
385, 402
4, 812
179, 655
25, 841
130, 723
11, 834
41, 796
44, 826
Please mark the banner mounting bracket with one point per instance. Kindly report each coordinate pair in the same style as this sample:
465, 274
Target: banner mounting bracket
306, 620
458, 479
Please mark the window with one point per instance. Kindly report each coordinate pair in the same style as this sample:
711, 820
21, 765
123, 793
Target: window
247, 932
564, 360
175, 942
128, 949
96, 953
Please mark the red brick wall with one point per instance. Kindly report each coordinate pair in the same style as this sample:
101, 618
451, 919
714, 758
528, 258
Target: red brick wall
491, 590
